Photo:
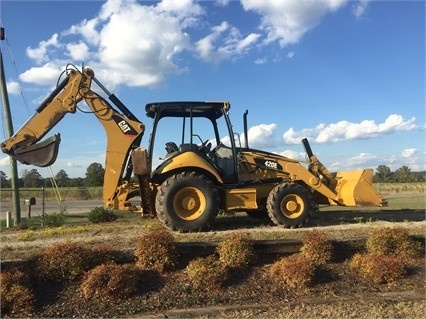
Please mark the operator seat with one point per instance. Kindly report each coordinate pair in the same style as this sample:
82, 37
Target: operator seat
171, 147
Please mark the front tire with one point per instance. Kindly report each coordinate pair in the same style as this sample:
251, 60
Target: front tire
187, 201
290, 205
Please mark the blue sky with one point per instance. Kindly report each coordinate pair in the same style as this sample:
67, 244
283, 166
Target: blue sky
348, 75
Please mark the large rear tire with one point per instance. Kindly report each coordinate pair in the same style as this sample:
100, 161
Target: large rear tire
187, 202
290, 205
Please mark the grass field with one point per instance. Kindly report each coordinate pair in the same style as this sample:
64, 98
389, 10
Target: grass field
84, 193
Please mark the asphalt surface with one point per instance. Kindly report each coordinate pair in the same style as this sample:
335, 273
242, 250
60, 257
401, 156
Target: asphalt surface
50, 207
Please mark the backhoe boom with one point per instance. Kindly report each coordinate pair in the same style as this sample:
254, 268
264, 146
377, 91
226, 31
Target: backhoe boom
124, 132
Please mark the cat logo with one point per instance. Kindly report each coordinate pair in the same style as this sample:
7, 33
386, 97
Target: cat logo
124, 126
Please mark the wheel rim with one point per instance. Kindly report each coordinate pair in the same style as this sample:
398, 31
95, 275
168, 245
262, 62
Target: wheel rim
189, 203
292, 206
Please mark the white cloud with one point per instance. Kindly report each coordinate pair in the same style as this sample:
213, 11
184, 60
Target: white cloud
408, 152
359, 8
261, 60
287, 21
13, 87
222, 3
5, 161
300, 156
44, 75
361, 158
39, 54
344, 130
290, 54
262, 135
72, 164
141, 54
78, 51
224, 42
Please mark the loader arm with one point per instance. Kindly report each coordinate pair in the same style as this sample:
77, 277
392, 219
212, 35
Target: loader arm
124, 132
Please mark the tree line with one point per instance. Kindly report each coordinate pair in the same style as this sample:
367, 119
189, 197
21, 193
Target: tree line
384, 174
94, 176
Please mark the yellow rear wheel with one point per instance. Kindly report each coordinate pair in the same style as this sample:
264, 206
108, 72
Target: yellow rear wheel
189, 203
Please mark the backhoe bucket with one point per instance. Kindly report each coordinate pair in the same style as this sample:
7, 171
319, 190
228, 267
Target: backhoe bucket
355, 189
41, 154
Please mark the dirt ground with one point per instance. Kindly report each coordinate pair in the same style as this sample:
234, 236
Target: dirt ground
336, 292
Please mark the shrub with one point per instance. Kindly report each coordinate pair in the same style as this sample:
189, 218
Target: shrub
27, 236
54, 220
377, 267
206, 273
235, 251
110, 282
17, 298
63, 262
316, 247
394, 242
156, 250
100, 254
295, 271
101, 215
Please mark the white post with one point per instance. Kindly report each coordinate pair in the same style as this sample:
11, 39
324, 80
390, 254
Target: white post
8, 219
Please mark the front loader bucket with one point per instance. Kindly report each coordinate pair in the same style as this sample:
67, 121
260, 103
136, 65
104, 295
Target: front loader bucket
355, 189
41, 154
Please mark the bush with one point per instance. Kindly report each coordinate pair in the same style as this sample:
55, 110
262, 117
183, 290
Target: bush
377, 267
316, 247
54, 220
235, 251
17, 298
110, 282
394, 242
63, 262
156, 250
101, 215
295, 271
100, 254
206, 273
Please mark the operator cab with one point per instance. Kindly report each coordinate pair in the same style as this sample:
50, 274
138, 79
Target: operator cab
193, 126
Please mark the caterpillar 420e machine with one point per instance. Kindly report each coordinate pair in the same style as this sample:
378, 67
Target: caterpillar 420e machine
197, 178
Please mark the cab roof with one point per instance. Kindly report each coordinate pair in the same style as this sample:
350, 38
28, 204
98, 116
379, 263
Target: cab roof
211, 110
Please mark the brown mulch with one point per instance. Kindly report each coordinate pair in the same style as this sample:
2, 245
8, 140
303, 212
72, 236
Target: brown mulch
160, 293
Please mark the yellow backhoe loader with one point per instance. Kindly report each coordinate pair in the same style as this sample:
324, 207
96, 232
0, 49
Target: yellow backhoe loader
198, 177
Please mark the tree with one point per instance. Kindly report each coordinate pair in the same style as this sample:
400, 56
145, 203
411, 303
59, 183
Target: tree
4, 182
32, 178
383, 174
94, 175
62, 178
403, 175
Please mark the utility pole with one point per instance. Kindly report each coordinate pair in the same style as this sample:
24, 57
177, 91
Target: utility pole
16, 207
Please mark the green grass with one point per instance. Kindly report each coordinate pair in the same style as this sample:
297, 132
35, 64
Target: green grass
65, 193
415, 202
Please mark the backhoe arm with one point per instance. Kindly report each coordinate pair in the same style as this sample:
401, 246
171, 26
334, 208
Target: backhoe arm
124, 132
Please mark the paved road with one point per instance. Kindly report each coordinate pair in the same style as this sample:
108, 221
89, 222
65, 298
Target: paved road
50, 207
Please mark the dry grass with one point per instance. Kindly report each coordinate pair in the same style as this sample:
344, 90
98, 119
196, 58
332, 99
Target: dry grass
337, 308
